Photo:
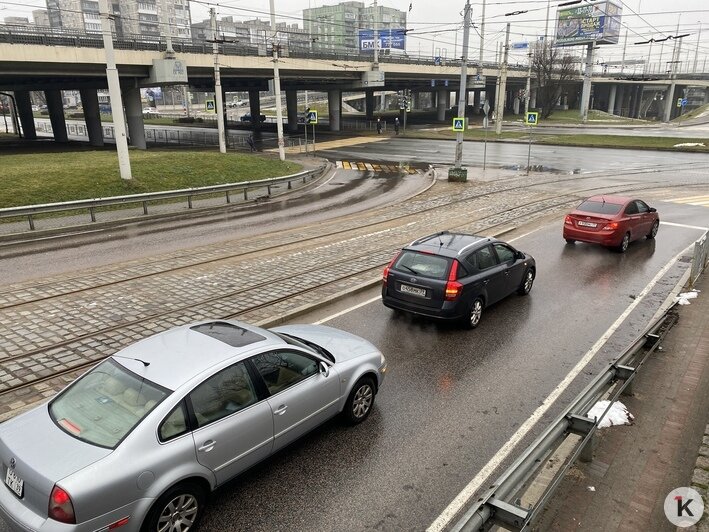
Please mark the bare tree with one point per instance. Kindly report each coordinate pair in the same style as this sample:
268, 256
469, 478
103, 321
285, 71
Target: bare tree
553, 69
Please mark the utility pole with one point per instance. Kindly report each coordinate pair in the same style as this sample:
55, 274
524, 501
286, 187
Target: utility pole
375, 66
625, 44
277, 86
482, 41
218, 84
463, 91
528, 88
114, 93
671, 90
696, 52
586, 90
500, 101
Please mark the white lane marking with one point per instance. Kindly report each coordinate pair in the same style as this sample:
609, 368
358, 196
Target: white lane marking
368, 166
350, 309
467, 492
326, 181
338, 164
686, 226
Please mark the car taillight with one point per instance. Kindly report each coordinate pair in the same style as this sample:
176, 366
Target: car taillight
568, 220
60, 507
611, 226
388, 267
453, 287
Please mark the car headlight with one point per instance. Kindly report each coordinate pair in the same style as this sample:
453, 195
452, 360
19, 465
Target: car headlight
382, 363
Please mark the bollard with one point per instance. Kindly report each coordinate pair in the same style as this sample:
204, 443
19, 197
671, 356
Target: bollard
228, 199
92, 213
145, 208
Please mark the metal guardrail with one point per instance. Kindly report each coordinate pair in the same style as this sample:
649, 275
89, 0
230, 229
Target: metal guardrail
700, 259
90, 205
497, 505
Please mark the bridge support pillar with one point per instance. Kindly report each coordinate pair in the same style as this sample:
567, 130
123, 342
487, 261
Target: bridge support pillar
369, 104
92, 116
334, 102
611, 99
441, 98
638, 101
533, 99
292, 109
255, 108
619, 100
24, 109
55, 104
134, 117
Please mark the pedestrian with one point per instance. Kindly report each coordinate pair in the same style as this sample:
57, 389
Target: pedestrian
379, 126
396, 125
252, 144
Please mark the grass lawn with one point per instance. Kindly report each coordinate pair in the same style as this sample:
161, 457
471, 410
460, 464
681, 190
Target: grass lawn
620, 141
35, 178
571, 116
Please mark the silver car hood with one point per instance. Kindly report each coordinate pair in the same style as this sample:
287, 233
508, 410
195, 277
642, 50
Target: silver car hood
43, 450
342, 345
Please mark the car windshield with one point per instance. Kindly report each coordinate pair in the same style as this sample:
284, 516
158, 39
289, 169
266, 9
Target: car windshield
599, 207
422, 264
105, 404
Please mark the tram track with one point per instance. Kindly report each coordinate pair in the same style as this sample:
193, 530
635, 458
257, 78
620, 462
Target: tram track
484, 225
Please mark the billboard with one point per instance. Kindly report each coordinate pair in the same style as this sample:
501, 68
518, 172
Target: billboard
585, 24
394, 39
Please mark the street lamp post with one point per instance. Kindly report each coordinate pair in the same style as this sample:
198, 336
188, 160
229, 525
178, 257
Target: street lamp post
277, 86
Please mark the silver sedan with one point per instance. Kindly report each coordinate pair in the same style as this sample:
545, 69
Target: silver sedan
140, 441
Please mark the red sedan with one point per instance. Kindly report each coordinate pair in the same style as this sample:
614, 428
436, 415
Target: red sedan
612, 221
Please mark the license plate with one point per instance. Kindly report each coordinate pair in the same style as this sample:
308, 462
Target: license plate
14, 482
413, 290
587, 224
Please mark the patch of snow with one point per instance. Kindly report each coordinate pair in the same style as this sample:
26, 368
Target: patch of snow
683, 298
617, 414
689, 145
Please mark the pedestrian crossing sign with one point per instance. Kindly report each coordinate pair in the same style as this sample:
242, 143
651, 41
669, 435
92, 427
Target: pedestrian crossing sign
459, 124
531, 119
209, 106
312, 117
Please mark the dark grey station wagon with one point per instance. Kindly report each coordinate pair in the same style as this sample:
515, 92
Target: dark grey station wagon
455, 276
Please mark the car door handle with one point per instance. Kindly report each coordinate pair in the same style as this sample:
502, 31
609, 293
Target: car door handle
280, 410
207, 446
486, 281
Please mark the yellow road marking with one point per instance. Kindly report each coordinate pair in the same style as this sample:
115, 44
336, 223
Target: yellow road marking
346, 165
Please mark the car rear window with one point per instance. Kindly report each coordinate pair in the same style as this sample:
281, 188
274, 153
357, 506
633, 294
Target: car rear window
599, 207
423, 264
104, 405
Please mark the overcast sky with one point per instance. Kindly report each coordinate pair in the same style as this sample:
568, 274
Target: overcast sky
435, 25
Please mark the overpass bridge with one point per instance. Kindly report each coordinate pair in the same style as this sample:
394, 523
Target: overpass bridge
54, 60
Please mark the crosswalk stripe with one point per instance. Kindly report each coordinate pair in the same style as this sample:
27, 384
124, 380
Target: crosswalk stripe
346, 165
338, 164
372, 167
377, 168
368, 167
690, 198
360, 166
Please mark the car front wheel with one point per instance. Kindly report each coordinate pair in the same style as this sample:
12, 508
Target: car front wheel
653, 231
177, 510
527, 283
359, 403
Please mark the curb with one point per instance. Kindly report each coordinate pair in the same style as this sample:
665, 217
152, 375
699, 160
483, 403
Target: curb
700, 482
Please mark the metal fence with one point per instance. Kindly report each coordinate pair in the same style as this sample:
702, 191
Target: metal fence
700, 259
90, 207
499, 504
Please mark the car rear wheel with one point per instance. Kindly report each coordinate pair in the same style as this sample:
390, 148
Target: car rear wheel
527, 283
177, 510
359, 403
475, 313
653, 231
623, 247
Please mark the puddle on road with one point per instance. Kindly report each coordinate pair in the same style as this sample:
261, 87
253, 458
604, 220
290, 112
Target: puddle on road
541, 168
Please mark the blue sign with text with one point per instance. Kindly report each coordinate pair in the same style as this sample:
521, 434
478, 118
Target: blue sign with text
389, 39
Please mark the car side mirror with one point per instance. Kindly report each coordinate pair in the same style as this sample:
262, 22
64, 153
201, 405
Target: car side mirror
521, 256
653, 209
324, 369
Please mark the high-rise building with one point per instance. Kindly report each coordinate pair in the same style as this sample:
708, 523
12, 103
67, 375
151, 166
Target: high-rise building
132, 17
40, 17
17, 21
335, 28
252, 32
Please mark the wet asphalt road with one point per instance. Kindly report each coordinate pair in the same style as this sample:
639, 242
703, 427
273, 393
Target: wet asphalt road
514, 155
345, 192
452, 397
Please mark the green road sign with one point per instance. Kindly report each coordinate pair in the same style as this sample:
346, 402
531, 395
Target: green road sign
209, 106
312, 117
459, 124
531, 119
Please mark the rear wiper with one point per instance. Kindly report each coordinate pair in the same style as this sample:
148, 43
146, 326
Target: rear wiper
410, 269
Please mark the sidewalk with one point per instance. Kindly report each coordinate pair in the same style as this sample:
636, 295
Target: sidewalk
635, 467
